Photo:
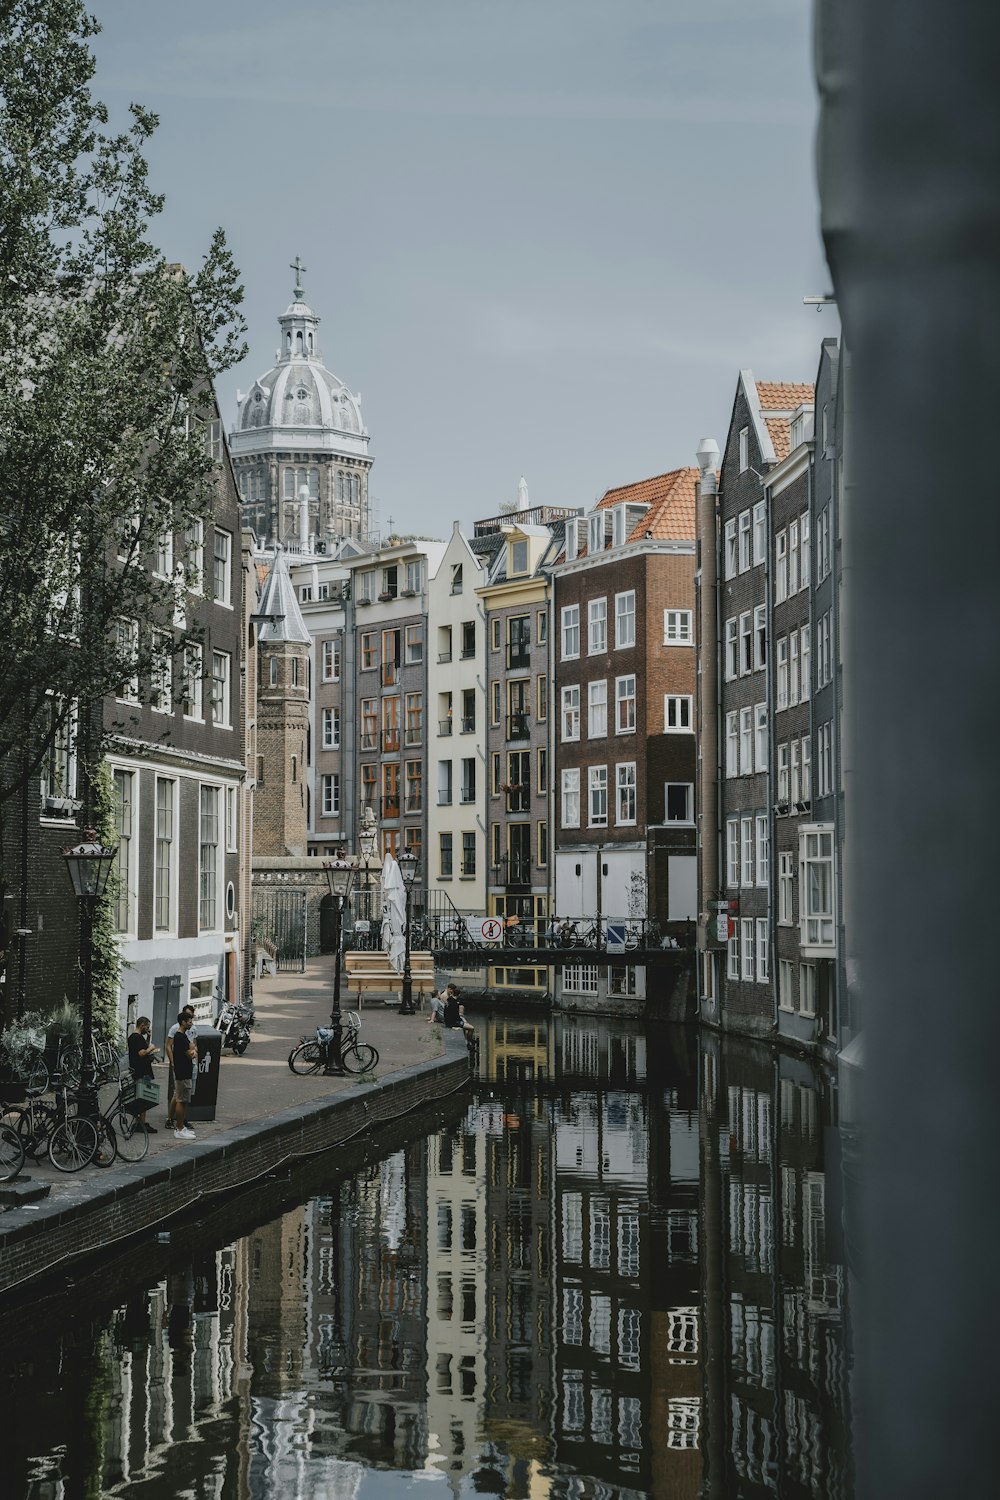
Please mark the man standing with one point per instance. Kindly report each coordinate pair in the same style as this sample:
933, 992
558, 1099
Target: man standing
186, 1010
183, 1055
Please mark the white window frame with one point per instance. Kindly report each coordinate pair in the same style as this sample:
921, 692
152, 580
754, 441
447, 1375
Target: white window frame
570, 713
626, 794
597, 627
678, 627
569, 617
744, 449
760, 532
678, 707
161, 684
763, 851
330, 728
807, 768
330, 794
126, 857
688, 789
222, 567
733, 853
210, 869
625, 620
331, 660
786, 986
165, 855
746, 741
570, 797
793, 667
625, 704
729, 550
192, 682
786, 888
780, 567
782, 780
747, 877
781, 673
222, 690
732, 649
760, 736
759, 637
747, 969
732, 743
597, 797
760, 933
817, 889
804, 550
744, 524
232, 819
597, 709
746, 644
128, 645
194, 557
733, 954
808, 975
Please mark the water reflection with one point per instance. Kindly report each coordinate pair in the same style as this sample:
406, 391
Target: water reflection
616, 1273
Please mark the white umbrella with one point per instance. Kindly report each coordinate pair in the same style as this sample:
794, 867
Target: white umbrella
393, 913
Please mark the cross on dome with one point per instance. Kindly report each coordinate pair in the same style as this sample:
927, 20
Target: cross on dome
297, 266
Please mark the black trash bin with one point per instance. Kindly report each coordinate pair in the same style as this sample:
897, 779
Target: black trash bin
205, 1094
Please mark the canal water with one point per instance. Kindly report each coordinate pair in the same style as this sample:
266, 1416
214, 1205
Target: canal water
615, 1270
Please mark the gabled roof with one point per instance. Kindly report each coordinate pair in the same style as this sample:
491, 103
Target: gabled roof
278, 598
771, 404
671, 499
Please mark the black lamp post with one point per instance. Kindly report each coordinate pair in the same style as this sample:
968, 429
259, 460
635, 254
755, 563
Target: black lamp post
339, 877
408, 869
88, 865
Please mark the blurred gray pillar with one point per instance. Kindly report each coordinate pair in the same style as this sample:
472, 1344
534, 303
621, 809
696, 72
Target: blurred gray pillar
909, 165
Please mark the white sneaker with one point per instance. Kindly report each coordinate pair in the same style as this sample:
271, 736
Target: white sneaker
184, 1135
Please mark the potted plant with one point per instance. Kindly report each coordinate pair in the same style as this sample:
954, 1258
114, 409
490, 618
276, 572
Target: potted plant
21, 1044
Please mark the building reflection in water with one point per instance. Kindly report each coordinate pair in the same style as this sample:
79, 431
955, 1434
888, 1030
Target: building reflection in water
618, 1275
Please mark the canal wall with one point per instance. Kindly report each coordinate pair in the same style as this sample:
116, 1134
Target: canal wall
102, 1210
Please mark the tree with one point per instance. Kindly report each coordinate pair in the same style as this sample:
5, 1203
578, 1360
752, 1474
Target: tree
107, 354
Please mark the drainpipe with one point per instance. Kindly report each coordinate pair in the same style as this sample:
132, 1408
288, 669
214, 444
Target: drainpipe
709, 747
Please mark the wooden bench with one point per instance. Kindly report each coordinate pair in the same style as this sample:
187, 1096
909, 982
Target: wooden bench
373, 973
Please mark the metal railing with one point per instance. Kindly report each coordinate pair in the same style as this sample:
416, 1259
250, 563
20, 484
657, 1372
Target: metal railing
518, 727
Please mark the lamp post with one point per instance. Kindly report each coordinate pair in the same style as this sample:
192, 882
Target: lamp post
88, 865
408, 869
339, 877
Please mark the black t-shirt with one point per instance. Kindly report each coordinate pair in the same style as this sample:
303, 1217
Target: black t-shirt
183, 1062
452, 1014
141, 1067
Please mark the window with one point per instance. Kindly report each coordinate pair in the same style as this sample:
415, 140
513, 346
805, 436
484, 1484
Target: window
597, 709
786, 985
793, 771
678, 802
496, 775
366, 585
222, 552
495, 634
413, 783
783, 776
390, 582
824, 650
745, 540
194, 556
414, 576
518, 557
468, 768
444, 783
541, 627
191, 676
760, 532
782, 673
746, 851
625, 704
570, 631
368, 784
746, 946
807, 989
597, 781
732, 743
816, 920
804, 547
732, 852
295, 665
469, 849
746, 645
733, 955
571, 798
543, 845
468, 639
495, 702
597, 627
124, 894
414, 645
369, 723
232, 815
780, 567
330, 795
746, 741
806, 682
760, 737
542, 698
729, 562
823, 559
456, 581
163, 563
793, 557
127, 647
625, 619
444, 853
542, 767
331, 729
732, 658
807, 768
369, 650
221, 689
626, 785
786, 889
677, 716
744, 449
331, 661
208, 860
570, 713
161, 675
163, 884
793, 667
759, 637
760, 927
763, 848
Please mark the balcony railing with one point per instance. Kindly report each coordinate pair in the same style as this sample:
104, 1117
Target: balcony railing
518, 727
469, 724
414, 734
468, 652
444, 656
444, 726
518, 656
414, 803
468, 794
444, 799
390, 739
390, 807
513, 870
518, 798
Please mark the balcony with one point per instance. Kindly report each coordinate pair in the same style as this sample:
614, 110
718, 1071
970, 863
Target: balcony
518, 727
444, 726
518, 657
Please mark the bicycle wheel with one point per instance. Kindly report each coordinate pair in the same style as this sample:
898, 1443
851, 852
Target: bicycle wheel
359, 1058
73, 1144
132, 1138
11, 1153
37, 1080
107, 1144
71, 1064
307, 1057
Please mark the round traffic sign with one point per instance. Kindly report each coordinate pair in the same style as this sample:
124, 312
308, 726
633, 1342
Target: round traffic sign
491, 929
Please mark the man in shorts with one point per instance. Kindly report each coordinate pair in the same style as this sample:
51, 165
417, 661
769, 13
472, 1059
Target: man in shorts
187, 1010
183, 1055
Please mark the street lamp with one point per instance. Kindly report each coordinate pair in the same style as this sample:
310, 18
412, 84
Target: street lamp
339, 877
88, 865
408, 869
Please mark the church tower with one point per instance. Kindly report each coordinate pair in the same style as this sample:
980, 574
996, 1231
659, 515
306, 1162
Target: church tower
280, 803
300, 446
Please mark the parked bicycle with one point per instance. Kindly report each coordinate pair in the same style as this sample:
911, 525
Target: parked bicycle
49, 1128
313, 1051
11, 1152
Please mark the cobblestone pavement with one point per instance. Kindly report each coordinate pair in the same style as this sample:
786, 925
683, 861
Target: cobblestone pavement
260, 1082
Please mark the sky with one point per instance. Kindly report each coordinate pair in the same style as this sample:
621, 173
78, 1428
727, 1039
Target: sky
543, 236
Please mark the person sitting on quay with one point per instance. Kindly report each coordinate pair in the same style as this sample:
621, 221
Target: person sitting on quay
454, 1013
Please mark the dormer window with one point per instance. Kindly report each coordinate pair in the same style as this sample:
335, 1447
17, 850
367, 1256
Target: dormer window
572, 543
518, 557
595, 537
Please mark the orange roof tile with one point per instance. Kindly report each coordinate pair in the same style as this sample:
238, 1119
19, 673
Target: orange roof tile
780, 429
783, 396
671, 499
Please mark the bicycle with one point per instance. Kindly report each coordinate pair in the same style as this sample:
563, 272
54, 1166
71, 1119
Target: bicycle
118, 1130
69, 1141
356, 1056
36, 1074
11, 1152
